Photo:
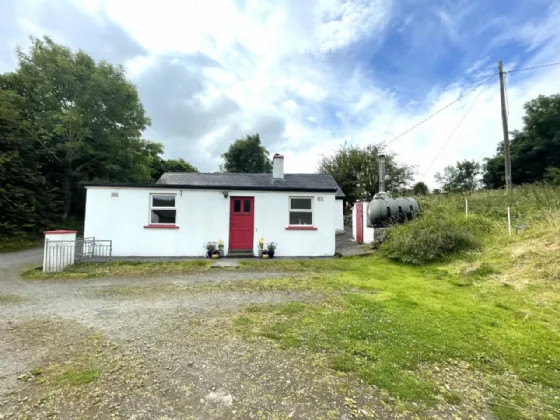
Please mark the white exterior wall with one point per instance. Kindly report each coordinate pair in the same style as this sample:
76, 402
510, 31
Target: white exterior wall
203, 215
368, 231
354, 224
339, 214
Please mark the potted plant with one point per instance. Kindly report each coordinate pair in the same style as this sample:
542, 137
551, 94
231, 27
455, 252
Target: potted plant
215, 254
221, 248
271, 247
262, 251
210, 248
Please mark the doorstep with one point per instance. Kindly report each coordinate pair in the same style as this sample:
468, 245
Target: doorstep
240, 253
225, 263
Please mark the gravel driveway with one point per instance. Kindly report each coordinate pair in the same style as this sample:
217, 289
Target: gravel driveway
75, 349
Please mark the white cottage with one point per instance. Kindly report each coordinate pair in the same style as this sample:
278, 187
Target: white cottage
176, 215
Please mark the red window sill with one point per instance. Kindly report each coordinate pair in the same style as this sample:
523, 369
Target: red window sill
161, 227
301, 228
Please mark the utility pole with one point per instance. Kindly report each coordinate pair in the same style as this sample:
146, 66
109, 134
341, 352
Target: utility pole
381, 173
507, 156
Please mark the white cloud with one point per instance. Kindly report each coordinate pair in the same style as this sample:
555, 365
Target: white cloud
230, 67
273, 74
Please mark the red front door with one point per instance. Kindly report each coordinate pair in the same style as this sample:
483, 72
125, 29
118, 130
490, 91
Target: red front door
241, 222
359, 222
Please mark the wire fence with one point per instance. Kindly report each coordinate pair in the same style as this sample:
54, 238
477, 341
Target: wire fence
528, 205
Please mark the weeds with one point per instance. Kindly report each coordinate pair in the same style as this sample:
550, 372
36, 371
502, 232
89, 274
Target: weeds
78, 377
6, 299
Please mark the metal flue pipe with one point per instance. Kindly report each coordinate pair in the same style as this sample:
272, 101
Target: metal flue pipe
381, 173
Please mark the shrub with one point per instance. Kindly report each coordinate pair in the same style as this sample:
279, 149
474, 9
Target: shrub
433, 237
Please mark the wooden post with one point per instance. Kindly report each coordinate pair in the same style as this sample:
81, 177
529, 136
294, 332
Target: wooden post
507, 156
466, 208
509, 222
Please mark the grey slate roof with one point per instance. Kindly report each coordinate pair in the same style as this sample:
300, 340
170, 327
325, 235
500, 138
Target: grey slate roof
291, 182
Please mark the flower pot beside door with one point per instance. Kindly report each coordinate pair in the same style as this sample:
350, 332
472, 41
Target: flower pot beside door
271, 247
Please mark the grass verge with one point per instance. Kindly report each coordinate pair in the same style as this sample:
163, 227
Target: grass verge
120, 269
148, 268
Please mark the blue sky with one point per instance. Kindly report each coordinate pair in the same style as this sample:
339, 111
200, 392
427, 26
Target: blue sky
310, 75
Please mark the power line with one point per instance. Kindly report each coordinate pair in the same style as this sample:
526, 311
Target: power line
441, 110
453, 132
462, 96
532, 68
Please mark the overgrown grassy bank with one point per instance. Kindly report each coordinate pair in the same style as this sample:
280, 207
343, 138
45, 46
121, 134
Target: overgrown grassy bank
445, 229
529, 204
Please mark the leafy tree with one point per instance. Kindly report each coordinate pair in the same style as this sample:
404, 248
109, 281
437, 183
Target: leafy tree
356, 170
552, 175
534, 149
160, 166
247, 154
463, 177
26, 200
420, 188
86, 116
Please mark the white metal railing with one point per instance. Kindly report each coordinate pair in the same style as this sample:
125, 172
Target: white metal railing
60, 253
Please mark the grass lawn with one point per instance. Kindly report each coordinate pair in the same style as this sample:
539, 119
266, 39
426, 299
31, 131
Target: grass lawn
467, 331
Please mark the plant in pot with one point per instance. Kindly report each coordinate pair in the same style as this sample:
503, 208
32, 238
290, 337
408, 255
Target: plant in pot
262, 251
221, 248
215, 254
210, 248
271, 247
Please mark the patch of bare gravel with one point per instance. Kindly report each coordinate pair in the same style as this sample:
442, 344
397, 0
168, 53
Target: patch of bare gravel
158, 350
174, 368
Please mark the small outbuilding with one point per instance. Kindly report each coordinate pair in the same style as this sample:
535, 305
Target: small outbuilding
177, 215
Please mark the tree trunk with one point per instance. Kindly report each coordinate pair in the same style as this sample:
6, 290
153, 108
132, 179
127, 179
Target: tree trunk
66, 193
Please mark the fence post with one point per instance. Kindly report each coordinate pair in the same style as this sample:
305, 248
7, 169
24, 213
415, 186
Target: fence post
509, 222
466, 208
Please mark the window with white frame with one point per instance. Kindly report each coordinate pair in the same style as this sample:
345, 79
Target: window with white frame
162, 209
301, 211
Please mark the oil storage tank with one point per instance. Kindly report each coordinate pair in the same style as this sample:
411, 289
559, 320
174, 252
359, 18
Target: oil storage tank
384, 209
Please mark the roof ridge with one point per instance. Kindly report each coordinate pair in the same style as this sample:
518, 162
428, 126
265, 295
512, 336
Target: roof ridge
222, 173
246, 173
